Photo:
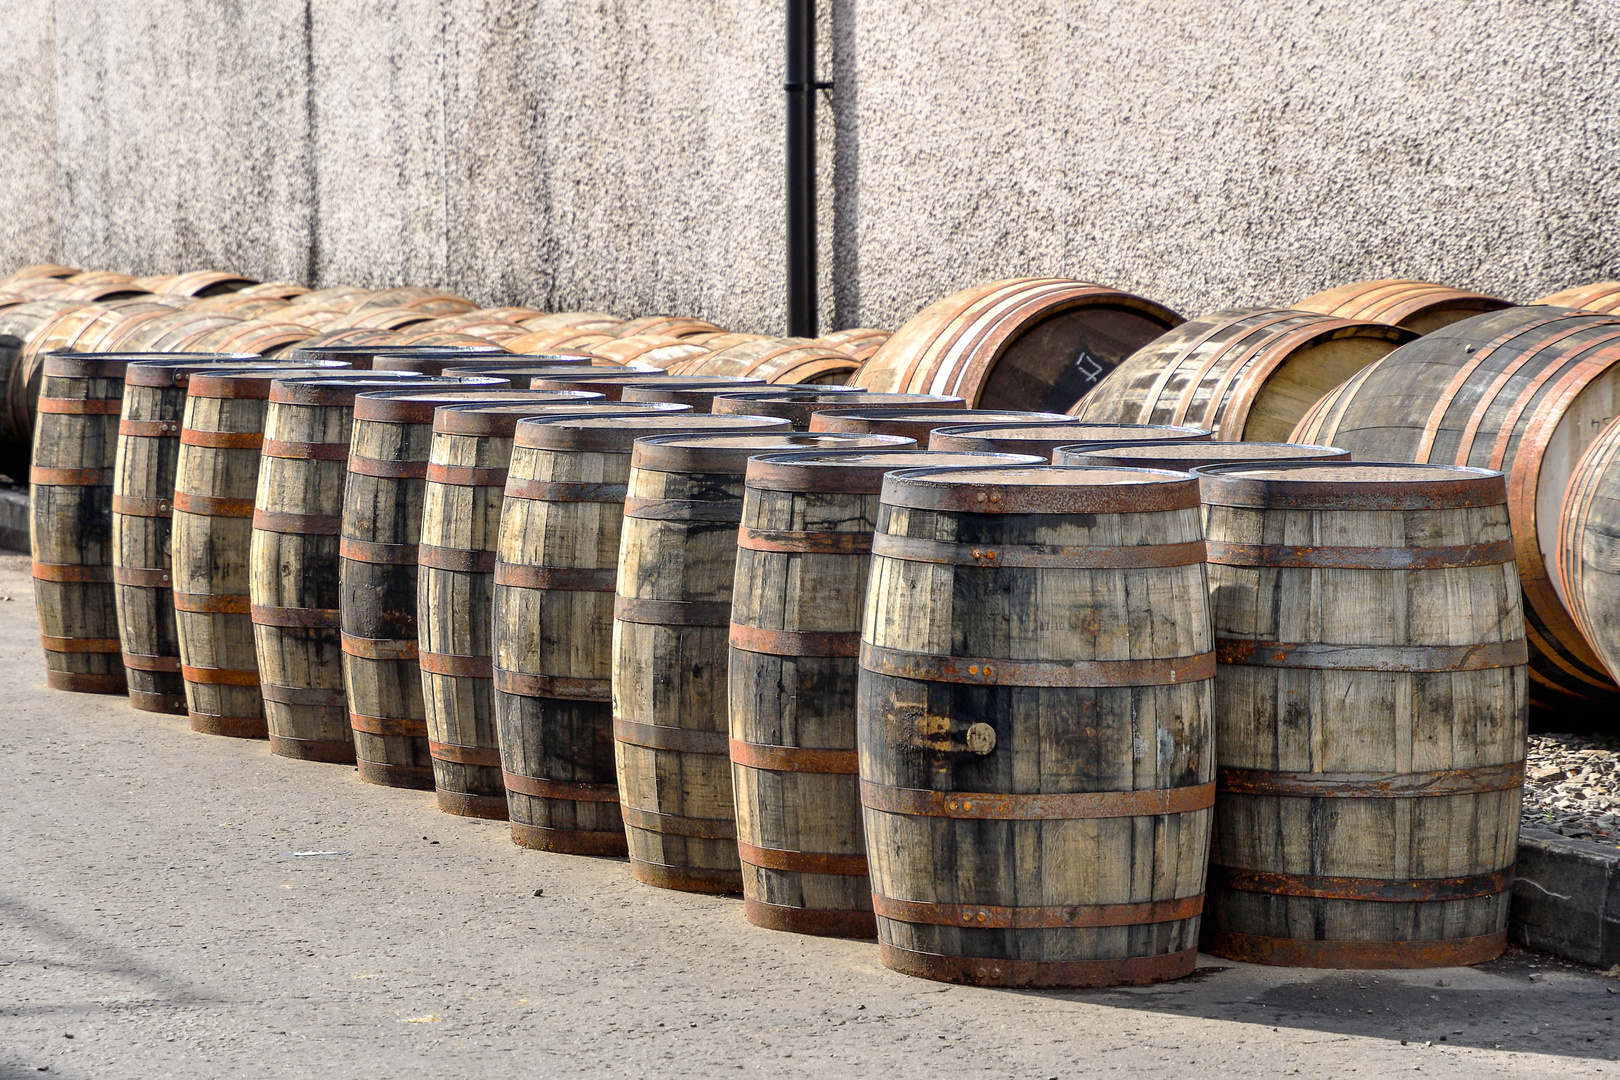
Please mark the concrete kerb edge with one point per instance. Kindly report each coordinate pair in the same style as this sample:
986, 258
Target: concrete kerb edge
1566, 898
14, 518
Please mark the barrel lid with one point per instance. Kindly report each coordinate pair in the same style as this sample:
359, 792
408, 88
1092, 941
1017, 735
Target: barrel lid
519, 373
176, 369
801, 407
71, 365
341, 390
617, 433
1351, 485
418, 406
501, 420
695, 396
1044, 438
920, 423
802, 390
611, 381
729, 453
1041, 489
1189, 455
861, 472
253, 381
428, 360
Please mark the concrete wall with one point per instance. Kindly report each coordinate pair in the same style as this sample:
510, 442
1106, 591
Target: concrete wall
626, 155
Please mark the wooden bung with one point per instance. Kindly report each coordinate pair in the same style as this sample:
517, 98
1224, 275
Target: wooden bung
1371, 697
672, 609
552, 619
1035, 725
803, 553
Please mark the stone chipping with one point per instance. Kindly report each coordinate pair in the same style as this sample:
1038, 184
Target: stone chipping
1572, 786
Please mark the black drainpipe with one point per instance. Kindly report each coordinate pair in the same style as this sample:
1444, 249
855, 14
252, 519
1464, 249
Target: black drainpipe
801, 87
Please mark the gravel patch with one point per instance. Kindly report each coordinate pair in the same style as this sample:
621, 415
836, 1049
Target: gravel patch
1572, 786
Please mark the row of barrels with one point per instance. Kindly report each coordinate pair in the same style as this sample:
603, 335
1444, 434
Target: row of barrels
756, 639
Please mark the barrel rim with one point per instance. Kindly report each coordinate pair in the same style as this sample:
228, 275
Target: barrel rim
988, 430
342, 391
1466, 486
896, 400
879, 413
1104, 452
588, 433
418, 406
932, 489
501, 420
841, 472
172, 371
670, 453
70, 365
253, 380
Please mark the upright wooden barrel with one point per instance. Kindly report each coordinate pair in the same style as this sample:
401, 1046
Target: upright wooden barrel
1023, 343
147, 453
215, 477
804, 550
428, 359
671, 611
1588, 577
293, 561
699, 396
1415, 305
552, 623
382, 521
1371, 704
1036, 715
1043, 439
1525, 390
1246, 374
70, 522
919, 424
1602, 296
1183, 457
461, 518
800, 407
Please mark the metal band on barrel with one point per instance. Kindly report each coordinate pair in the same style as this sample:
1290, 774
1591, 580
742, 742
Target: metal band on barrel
72, 573
297, 524
141, 577
727, 512
1361, 558
1432, 953
78, 645
676, 825
70, 477
365, 551
1130, 557
802, 862
149, 429
1409, 785
559, 491
81, 406
457, 560
484, 756
522, 684
1307, 654
455, 665
295, 617
557, 578
212, 603
311, 696
983, 971
986, 671
804, 759
994, 917
567, 790
209, 676
809, 543
379, 648
135, 506
150, 662
387, 469
671, 612
680, 740
1377, 890
304, 451
222, 440
844, 644
208, 506
466, 475
996, 806
397, 727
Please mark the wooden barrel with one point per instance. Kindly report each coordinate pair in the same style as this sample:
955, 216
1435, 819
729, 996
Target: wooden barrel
243, 307
804, 550
216, 475
394, 319
414, 298
202, 283
461, 517
1371, 705
615, 384
1246, 374
700, 396
1043, 439
552, 621
38, 270
466, 328
293, 561
1602, 296
919, 424
147, 452
799, 408
548, 340
782, 361
1588, 577
1036, 692
1414, 305
675, 326
20, 379
329, 337
382, 521
70, 522
1525, 390
649, 350
671, 610
259, 337
1024, 343
574, 320
855, 341
278, 290
1184, 457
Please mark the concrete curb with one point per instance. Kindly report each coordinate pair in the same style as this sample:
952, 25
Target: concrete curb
14, 518
1566, 898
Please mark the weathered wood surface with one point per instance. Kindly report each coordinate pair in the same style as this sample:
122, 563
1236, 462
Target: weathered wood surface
1588, 563
919, 424
1044, 439
800, 407
1023, 343
147, 453
552, 620
293, 561
672, 608
1191, 455
1245, 374
216, 474
382, 520
1525, 390
70, 522
1371, 704
1420, 306
1035, 720
461, 517
1602, 296
779, 361
804, 551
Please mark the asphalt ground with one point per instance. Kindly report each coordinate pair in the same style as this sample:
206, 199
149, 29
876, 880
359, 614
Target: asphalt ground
155, 923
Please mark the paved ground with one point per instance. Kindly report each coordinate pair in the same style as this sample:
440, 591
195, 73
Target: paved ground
153, 924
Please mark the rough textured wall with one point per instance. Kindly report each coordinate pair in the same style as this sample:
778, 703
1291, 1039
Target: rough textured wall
625, 155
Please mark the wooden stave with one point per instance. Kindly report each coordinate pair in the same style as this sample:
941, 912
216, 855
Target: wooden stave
1185, 457
1600, 296
1211, 371
20, 378
293, 563
954, 345
144, 467
1588, 529
382, 515
1295, 906
1420, 306
674, 844
1119, 940
1044, 439
805, 872
551, 740
70, 523
1444, 422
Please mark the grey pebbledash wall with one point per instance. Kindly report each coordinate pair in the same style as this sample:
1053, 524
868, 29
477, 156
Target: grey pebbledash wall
626, 155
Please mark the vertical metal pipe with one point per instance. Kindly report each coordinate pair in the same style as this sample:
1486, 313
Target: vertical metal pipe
800, 85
